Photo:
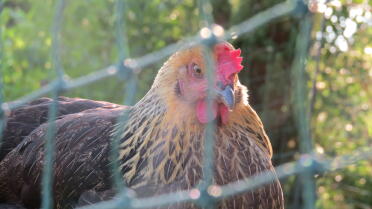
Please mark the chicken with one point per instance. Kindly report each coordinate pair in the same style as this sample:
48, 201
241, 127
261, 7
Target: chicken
161, 145
22, 121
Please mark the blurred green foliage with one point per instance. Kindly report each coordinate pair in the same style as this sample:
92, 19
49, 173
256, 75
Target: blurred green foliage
342, 70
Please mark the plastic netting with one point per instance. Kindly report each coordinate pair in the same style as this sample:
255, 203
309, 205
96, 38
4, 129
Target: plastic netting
307, 165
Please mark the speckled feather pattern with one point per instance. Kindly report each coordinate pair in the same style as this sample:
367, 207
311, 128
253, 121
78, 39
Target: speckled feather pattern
174, 160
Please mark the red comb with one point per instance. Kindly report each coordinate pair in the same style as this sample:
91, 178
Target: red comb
228, 61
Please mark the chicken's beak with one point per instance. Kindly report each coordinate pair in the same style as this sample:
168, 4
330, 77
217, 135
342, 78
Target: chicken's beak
227, 97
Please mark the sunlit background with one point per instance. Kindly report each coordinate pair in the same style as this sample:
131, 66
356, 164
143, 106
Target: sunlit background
339, 70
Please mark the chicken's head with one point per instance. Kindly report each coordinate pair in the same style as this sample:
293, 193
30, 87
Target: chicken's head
186, 73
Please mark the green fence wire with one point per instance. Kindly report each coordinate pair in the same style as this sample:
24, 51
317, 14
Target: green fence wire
300, 102
2, 113
128, 68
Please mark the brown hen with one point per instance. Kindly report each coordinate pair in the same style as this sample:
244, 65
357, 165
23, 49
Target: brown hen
161, 148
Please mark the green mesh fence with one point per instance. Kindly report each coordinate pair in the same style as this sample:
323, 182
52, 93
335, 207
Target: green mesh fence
307, 165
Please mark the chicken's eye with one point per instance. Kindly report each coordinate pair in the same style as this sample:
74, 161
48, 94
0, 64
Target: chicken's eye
196, 71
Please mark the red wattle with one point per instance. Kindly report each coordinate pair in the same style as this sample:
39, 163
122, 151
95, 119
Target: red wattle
224, 113
201, 111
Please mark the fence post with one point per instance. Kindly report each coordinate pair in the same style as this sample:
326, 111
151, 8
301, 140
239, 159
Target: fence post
49, 145
206, 201
301, 104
